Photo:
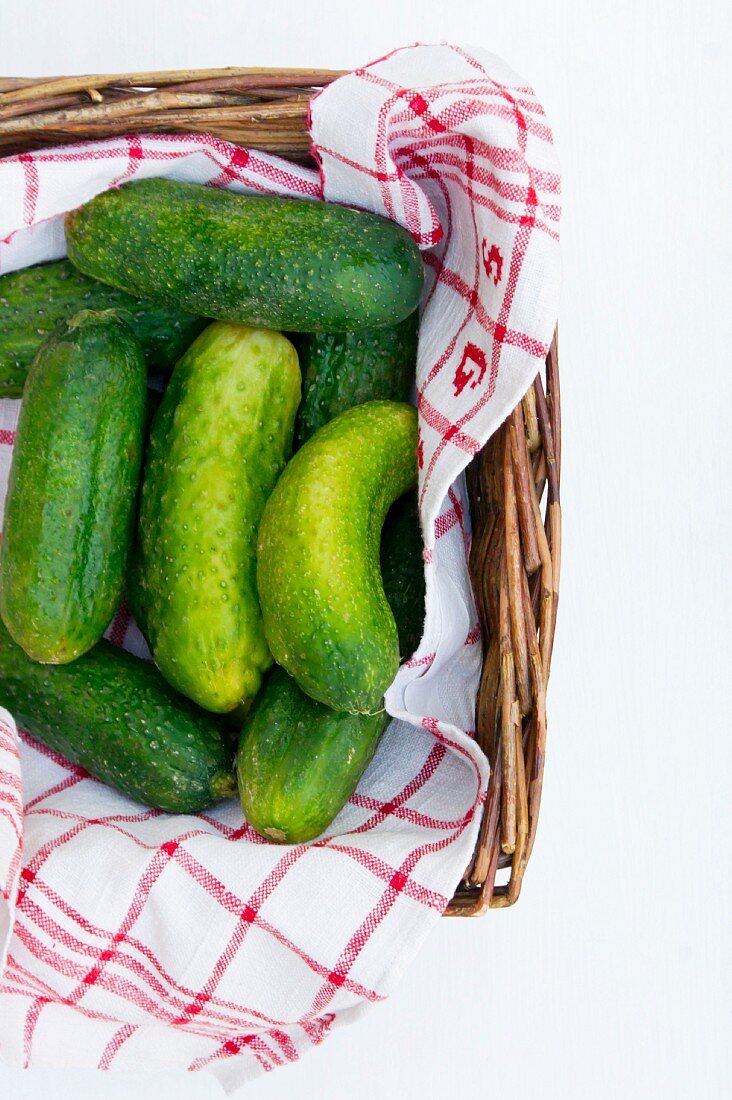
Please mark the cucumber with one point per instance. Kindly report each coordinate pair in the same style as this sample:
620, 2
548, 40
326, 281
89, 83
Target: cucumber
133, 581
299, 761
257, 260
402, 571
219, 441
34, 300
326, 618
70, 503
135, 593
114, 715
341, 369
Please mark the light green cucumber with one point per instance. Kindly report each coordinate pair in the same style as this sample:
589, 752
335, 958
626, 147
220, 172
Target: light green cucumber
218, 443
326, 617
70, 505
258, 260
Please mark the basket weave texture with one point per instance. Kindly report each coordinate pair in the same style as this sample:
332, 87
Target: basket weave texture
513, 483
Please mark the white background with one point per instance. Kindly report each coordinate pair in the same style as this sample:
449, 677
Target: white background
612, 976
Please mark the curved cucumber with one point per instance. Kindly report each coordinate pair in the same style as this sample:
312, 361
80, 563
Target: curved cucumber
341, 369
326, 618
279, 263
219, 441
299, 761
35, 299
115, 716
73, 481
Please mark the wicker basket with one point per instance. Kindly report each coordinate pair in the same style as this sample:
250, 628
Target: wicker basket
513, 483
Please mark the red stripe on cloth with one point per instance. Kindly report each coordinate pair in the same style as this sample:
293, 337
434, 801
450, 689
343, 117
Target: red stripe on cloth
459, 514
120, 625
247, 916
255, 1043
382, 870
496, 328
29, 984
7, 738
450, 432
419, 662
386, 809
114, 983
30, 194
433, 726
402, 813
160, 982
277, 172
57, 788
285, 1043
508, 216
12, 818
10, 779
238, 906
7, 437
135, 156
115, 1044
31, 869
29, 1027
339, 975
148, 879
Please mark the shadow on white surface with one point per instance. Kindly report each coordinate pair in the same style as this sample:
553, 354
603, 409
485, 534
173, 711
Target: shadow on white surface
87, 1085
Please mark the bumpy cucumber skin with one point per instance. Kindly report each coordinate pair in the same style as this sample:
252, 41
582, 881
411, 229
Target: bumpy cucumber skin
326, 617
299, 761
34, 300
73, 483
114, 715
219, 440
402, 571
257, 260
341, 369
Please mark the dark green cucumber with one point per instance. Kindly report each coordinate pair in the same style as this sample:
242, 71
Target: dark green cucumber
299, 761
70, 504
135, 592
114, 715
341, 369
34, 300
271, 262
326, 618
402, 571
219, 440
136, 599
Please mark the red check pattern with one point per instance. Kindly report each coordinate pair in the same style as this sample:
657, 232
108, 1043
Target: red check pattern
456, 147
131, 938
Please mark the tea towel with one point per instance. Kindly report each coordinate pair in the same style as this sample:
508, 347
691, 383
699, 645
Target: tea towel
129, 938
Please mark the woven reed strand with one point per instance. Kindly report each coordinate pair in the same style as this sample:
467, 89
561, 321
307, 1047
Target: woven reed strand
513, 483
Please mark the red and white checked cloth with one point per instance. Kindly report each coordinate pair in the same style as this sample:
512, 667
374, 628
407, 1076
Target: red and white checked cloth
134, 939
